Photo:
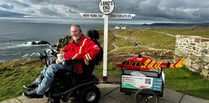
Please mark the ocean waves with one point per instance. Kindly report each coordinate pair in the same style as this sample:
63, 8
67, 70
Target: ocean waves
17, 51
19, 45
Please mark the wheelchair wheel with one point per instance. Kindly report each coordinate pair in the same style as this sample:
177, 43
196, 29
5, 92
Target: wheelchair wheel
54, 100
146, 96
90, 94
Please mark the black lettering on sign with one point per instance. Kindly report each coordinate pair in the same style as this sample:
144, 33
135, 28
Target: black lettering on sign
94, 15
106, 5
100, 16
106, 8
86, 15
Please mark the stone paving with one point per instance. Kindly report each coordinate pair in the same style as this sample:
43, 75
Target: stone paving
110, 93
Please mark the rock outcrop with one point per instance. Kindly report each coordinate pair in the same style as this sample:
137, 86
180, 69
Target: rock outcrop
63, 42
42, 42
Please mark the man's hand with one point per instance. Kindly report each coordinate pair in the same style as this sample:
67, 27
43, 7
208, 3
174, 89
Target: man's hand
86, 62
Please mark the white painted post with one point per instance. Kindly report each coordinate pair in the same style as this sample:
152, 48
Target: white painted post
106, 7
105, 47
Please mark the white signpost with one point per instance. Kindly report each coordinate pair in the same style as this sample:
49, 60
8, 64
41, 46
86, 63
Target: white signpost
106, 7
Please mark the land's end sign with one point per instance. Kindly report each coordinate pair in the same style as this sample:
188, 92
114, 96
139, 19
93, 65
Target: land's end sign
106, 6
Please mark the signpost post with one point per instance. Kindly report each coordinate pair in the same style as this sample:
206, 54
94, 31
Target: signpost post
106, 7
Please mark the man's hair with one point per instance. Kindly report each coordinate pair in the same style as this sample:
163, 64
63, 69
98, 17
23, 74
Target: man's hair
78, 26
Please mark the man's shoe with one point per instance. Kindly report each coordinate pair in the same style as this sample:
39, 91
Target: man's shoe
30, 86
32, 94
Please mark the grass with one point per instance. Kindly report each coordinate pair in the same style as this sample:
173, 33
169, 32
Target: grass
110, 39
185, 81
121, 42
204, 31
131, 50
149, 38
112, 70
13, 75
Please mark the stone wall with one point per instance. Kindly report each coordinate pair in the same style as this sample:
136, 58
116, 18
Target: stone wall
196, 51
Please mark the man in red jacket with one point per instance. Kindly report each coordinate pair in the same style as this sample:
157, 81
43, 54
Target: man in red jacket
79, 48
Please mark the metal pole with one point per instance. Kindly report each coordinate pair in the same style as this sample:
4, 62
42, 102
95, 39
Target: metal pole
105, 47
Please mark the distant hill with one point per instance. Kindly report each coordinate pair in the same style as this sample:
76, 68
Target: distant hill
178, 24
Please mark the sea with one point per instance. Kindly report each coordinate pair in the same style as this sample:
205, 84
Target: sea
16, 37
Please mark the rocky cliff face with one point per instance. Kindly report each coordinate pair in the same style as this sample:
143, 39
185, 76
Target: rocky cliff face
63, 42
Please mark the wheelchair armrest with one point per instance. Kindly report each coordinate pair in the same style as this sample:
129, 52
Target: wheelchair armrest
76, 61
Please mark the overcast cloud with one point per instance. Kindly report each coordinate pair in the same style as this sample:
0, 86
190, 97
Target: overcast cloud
147, 11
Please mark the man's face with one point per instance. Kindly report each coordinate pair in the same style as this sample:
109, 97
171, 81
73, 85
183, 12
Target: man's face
75, 33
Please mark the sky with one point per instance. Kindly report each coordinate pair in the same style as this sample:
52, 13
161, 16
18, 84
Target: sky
146, 11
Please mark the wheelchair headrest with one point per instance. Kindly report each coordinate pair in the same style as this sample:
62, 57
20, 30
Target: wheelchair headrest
93, 34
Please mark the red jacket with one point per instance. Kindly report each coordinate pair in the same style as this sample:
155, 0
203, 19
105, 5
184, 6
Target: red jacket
84, 49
